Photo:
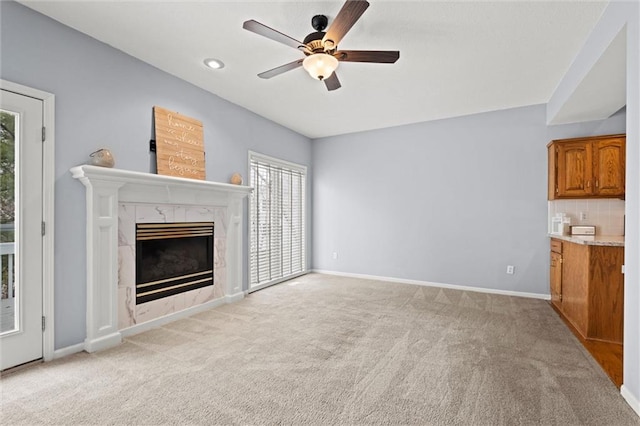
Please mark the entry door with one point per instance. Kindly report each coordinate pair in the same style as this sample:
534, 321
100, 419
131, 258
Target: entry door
21, 210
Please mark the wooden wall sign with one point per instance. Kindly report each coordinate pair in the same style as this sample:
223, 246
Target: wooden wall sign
179, 145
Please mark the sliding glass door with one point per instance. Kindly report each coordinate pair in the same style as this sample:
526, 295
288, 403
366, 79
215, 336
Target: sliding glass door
277, 220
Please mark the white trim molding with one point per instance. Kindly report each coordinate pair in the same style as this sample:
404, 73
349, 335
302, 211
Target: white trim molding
276, 161
68, 350
277, 281
440, 285
631, 400
105, 189
48, 193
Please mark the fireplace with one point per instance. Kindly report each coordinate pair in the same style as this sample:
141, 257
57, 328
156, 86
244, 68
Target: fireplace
173, 258
116, 200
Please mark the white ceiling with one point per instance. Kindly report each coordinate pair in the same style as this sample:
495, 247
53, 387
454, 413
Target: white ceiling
456, 57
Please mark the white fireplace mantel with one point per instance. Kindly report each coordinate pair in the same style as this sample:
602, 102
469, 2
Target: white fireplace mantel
105, 189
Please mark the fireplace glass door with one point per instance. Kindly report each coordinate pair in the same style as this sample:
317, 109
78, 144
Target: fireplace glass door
173, 258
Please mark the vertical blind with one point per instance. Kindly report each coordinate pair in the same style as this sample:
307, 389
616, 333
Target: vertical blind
277, 220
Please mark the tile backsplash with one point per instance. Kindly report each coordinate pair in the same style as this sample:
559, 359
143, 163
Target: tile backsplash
606, 214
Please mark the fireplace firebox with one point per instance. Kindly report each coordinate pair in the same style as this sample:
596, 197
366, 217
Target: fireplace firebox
172, 258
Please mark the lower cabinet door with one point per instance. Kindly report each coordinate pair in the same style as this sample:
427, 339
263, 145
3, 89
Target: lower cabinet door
556, 279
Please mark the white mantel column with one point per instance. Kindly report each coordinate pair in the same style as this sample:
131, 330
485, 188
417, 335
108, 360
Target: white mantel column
234, 251
102, 264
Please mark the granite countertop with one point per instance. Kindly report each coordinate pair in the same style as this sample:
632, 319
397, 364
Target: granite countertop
592, 240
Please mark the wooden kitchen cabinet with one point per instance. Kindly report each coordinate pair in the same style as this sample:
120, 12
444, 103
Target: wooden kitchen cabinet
575, 276
609, 172
575, 169
556, 273
589, 167
556, 279
587, 287
587, 291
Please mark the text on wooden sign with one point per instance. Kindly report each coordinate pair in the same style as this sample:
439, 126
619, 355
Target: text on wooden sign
179, 144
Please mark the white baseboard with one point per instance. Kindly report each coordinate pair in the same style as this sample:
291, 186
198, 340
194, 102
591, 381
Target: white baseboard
232, 298
69, 350
277, 281
631, 399
441, 285
103, 342
157, 322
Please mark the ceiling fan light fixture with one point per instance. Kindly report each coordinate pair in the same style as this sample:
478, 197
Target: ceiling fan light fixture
320, 65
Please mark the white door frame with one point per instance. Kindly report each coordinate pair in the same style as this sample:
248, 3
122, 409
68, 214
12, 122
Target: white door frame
48, 185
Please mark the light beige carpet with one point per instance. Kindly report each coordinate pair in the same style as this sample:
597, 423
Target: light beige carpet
329, 350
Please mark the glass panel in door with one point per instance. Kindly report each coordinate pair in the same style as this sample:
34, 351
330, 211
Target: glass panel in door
8, 131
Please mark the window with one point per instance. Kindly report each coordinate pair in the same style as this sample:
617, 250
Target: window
276, 221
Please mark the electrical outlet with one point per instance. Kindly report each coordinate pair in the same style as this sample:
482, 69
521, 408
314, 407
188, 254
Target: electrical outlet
583, 216
335, 255
511, 269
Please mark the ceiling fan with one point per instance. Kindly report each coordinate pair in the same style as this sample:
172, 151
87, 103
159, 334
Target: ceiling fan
321, 48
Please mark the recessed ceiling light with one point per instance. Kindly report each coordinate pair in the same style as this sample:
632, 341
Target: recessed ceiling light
213, 63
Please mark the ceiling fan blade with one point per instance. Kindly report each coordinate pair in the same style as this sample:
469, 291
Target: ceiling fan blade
348, 15
263, 30
281, 69
377, 56
332, 82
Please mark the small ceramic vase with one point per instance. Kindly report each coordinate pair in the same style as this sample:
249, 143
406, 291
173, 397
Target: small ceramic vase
236, 179
102, 158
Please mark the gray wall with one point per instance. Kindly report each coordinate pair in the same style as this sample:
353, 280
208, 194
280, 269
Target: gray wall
451, 201
104, 98
614, 124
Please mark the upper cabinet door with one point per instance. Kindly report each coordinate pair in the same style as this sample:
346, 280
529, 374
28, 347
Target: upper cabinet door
589, 167
575, 169
609, 155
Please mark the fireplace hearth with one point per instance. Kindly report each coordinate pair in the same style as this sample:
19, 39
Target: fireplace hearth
173, 258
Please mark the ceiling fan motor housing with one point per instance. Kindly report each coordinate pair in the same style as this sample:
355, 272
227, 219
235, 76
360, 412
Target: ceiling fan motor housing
319, 22
314, 40
317, 36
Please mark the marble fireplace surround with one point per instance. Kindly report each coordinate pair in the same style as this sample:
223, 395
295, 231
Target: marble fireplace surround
107, 191
131, 314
